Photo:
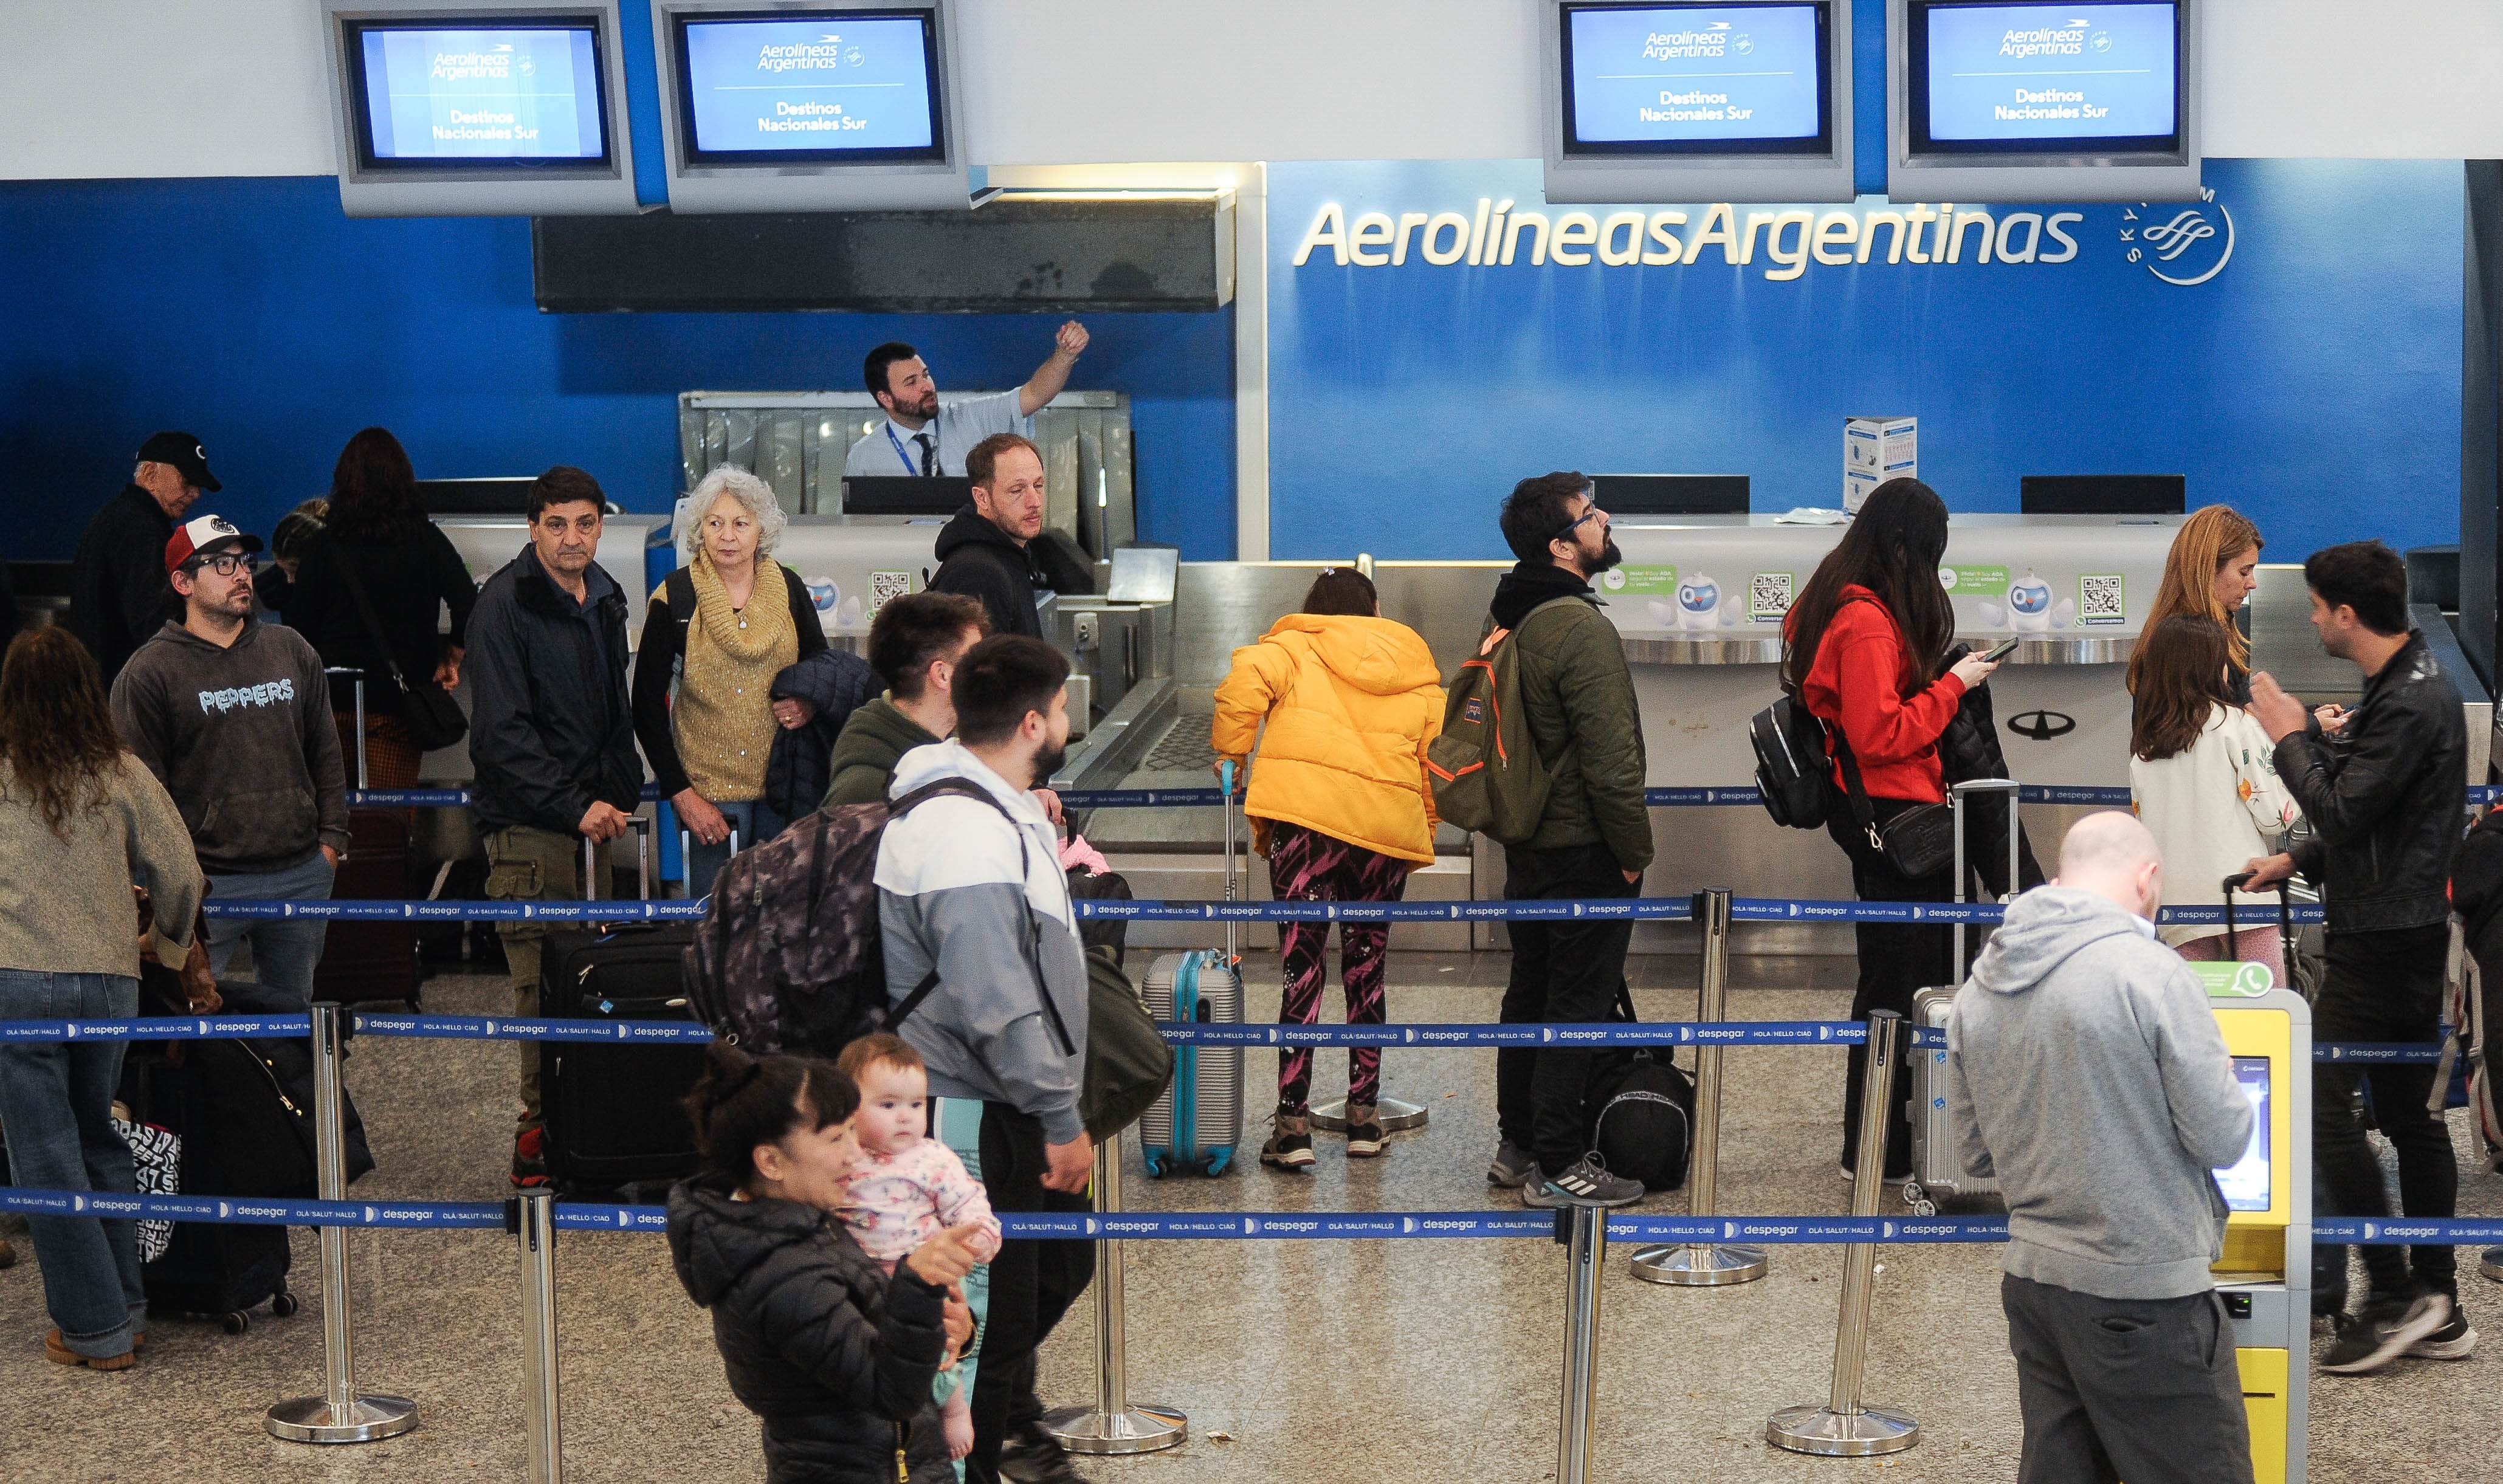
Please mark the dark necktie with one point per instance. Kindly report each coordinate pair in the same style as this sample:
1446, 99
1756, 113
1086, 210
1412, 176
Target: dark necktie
929, 454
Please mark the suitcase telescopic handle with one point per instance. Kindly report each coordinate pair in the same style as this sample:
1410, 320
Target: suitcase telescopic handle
642, 828
1225, 787
1958, 793
360, 689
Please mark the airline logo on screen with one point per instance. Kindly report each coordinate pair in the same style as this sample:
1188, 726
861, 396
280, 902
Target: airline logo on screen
499, 62
2184, 246
824, 55
1715, 40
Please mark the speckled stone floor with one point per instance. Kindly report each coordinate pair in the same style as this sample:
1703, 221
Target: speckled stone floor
1297, 1360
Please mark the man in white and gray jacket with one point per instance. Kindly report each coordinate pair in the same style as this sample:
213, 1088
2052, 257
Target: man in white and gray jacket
982, 955
2086, 1072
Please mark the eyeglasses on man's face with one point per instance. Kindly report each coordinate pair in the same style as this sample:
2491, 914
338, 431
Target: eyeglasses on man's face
1578, 522
225, 563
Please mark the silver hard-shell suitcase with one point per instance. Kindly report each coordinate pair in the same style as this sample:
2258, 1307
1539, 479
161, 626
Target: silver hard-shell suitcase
1196, 1125
1938, 1173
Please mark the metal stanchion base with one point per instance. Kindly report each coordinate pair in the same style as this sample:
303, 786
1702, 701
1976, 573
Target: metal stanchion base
370, 1418
2491, 1263
1143, 1429
1829, 1433
1695, 1264
1395, 1115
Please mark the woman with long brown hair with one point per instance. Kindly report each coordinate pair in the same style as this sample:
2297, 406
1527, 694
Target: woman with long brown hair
79, 819
2203, 778
2211, 571
1865, 650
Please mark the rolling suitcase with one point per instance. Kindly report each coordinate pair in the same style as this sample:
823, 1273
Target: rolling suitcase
1937, 1174
1195, 1125
363, 962
615, 1112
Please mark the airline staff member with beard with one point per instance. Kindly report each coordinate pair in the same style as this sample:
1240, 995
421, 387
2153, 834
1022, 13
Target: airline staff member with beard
919, 437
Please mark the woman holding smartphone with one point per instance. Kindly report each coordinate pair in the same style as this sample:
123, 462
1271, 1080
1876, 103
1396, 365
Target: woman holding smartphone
1864, 649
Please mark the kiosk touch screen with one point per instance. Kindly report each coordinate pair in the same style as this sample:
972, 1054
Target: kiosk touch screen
2246, 1182
492, 91
840, 87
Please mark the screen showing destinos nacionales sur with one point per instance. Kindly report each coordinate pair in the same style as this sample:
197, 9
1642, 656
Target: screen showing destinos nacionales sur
841, 86
2246, 1182
2028, 75
498, 94
1673, 80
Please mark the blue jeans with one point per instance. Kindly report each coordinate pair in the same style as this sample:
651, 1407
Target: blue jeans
285, 951
56, 1102
755, 822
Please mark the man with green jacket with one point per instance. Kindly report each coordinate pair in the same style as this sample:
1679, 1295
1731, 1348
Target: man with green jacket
1592, 841
914, 646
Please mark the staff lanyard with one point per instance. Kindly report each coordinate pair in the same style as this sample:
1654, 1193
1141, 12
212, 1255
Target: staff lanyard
909, 467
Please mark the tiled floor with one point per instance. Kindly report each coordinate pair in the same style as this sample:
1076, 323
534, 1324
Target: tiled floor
1297, 1360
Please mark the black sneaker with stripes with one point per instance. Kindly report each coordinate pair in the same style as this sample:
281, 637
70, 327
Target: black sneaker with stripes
1584, 1182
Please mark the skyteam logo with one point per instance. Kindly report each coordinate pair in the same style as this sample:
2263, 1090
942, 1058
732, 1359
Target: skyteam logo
2184, 246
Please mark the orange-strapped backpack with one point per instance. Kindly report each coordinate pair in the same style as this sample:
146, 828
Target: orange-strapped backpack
1487, 777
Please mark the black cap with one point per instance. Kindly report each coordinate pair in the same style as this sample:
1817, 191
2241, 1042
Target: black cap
185, 453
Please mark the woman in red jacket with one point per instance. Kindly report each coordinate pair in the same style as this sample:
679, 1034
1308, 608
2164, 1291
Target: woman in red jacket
1864, 650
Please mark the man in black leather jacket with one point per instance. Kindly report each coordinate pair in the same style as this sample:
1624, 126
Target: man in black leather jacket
2383, 793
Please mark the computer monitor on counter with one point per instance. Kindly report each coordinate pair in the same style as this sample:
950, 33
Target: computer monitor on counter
2103, 494
1672, 494
897, 494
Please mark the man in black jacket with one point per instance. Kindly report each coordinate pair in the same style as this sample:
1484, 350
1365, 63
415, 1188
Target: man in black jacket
551, 735
2383, 794
119, 592
995, 550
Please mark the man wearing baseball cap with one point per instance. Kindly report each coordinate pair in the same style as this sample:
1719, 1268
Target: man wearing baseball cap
233, 717
118, 589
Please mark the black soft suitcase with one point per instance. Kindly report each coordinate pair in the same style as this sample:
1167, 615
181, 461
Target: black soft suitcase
615, 1113
363, 962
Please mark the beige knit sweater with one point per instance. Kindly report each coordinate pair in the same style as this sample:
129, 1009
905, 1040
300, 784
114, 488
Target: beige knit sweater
724, 713
65, 904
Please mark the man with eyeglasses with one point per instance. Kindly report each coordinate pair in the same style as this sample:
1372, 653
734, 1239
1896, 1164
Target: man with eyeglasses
1592, 840
233, 717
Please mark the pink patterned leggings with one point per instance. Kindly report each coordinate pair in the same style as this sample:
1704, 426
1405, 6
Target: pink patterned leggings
1307, 866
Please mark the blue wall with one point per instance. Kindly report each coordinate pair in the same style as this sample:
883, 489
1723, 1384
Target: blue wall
253, 314
2313, 382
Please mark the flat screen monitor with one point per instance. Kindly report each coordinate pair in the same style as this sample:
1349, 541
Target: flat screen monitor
431, 95
2245, 1183
2103, 494
1672, 494
897, 494
830, 88
1681, 80
2030, 80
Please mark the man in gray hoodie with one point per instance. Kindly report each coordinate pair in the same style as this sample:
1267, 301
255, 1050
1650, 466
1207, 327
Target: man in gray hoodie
989, 982
233, 717
2086, 1072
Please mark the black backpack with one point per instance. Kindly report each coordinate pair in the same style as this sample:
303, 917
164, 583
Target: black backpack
1642, 1111
1793, 768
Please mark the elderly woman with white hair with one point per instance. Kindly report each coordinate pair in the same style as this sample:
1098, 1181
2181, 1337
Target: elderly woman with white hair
720, 629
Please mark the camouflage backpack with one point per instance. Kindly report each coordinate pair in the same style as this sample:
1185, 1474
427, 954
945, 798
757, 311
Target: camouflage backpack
788, 956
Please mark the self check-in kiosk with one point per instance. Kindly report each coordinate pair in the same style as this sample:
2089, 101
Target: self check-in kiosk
2265, 1276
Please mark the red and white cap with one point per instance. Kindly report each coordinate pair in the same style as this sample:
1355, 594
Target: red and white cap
204, 535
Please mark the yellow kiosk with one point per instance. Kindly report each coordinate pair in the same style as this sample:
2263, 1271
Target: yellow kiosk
2264, 1276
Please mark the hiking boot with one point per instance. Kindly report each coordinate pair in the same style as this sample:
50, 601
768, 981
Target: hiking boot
62, 1355
1513, 1165
1584, 1182
2386, 1329
2453, 1341
530, 1159
1363, 1131
1032, 1456
1290, 1146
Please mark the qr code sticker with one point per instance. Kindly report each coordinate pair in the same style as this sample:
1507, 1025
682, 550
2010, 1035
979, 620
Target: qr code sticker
1768, 597
2102, 600
887, 585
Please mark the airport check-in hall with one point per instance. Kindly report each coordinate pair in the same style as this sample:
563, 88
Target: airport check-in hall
1815, 677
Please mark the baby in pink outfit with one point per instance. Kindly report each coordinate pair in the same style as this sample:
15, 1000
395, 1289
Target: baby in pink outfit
908, 1187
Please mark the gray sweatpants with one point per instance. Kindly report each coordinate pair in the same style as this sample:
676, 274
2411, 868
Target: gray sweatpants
2141, 1389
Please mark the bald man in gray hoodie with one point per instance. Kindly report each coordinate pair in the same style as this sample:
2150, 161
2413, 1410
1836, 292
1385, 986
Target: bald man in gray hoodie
2086, 1073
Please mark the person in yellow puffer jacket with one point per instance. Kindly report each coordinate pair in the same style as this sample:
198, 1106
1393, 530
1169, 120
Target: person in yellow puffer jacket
1341, 703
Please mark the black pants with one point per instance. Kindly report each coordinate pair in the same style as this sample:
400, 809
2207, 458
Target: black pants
1896, 961
2384, 987
1564, 973
2139, 1389
1032, 1283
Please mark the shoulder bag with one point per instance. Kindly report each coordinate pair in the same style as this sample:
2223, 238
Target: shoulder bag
1919, 841
433, 718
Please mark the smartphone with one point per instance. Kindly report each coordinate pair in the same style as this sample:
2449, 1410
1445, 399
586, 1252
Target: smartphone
2002, 649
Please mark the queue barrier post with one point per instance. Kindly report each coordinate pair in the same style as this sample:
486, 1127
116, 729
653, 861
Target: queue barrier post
1583, 1229
1845, 1427
533, 1219
1114, 1424
1707, 1264
341, 1414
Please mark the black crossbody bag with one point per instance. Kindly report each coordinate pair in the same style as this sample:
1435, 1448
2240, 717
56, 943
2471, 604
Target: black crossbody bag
431, 716
1918, 842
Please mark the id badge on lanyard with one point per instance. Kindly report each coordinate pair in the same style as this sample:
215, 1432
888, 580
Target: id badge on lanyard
909, 467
